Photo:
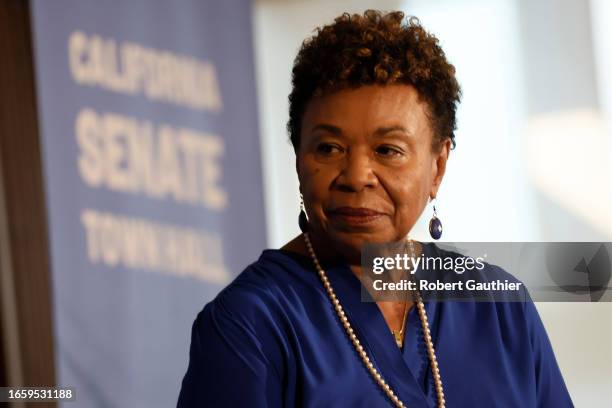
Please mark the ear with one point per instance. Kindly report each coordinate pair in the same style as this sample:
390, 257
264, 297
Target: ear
438, 168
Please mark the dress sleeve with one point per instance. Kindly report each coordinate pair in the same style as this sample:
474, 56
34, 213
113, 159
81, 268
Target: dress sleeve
550, 387
227, 365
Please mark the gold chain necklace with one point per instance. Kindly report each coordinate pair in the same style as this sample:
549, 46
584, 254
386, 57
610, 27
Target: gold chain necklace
359, 348
399, 334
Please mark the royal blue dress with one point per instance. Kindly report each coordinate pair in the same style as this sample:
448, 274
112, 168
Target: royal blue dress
272, 338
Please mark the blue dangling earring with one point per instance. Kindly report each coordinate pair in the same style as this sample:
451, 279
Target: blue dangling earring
435, 225
302, 219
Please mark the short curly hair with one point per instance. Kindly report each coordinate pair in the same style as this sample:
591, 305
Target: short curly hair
375, 48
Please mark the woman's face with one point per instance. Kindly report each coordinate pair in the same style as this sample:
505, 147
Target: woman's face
366, 165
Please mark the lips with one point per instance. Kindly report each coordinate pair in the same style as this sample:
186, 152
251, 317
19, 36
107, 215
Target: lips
354, 215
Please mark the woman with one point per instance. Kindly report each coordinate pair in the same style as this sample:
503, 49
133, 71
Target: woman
372, 119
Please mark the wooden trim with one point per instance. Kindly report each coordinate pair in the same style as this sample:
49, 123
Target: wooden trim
26, 307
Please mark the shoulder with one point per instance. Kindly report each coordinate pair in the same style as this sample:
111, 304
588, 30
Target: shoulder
251, 313
260, 292
514, 306
265, 277
480, 280
477, 264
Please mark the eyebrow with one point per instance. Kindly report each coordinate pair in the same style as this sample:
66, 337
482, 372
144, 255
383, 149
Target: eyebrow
379, 132
383, 130
330, 128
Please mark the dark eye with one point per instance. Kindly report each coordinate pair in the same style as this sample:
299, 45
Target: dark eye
328, 148
388, 151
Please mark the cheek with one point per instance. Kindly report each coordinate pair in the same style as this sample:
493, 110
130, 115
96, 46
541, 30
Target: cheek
314, 180
408, 191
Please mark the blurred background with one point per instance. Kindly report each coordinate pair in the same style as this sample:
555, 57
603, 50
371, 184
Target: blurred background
532, 163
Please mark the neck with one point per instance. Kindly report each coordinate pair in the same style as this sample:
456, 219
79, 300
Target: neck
326, 251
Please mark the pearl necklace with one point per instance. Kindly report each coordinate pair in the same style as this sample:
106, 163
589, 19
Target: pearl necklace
359, 348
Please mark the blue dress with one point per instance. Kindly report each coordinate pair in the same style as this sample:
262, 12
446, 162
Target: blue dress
272, 338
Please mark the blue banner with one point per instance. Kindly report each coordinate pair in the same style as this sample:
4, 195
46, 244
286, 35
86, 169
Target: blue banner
153, 182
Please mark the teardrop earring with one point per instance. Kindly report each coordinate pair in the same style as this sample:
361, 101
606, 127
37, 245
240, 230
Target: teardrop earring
302, 219
435, 225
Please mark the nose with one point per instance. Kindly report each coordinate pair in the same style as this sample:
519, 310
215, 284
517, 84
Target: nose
356, 173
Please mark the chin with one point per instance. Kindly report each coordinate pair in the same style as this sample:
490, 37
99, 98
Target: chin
352, 242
